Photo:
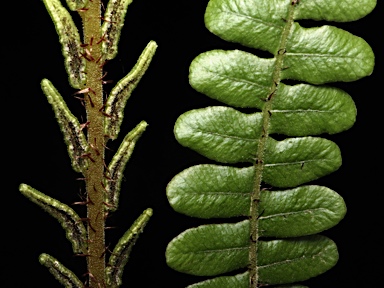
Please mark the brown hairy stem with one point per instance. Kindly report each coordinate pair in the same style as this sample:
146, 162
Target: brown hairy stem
95, 172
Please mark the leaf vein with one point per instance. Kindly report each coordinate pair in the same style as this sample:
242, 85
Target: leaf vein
238, 79
252, 19
296, 162
226, 136
290, 260
219, 250
293, 212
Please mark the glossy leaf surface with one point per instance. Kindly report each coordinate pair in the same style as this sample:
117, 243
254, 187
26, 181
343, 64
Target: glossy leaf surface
210, 191
260, 25
210, 250
291, 216
237, 281
241, 79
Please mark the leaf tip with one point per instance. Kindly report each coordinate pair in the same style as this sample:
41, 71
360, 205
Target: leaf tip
43, 258
23, 187
148, 212
74, 5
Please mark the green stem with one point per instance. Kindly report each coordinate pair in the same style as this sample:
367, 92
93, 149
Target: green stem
95, 173
259, 161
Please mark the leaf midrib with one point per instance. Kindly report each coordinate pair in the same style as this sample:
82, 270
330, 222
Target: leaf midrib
259, 162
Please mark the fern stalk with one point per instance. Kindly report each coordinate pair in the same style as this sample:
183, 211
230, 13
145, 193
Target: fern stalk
94, 104
266, 114
84, 62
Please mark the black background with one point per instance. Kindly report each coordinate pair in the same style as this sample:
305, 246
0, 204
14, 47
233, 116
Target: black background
34, 151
